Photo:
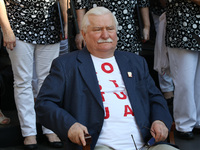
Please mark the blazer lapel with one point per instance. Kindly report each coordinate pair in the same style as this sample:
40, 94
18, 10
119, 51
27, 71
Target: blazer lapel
88, 73
128, 75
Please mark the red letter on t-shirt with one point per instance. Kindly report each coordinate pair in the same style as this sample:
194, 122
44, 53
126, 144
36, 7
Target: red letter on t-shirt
115, 83
110, 70
107, 113
128, 111
123, 96
103, 96
102, 93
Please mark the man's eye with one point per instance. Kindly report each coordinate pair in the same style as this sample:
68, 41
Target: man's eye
97, 29
111, 28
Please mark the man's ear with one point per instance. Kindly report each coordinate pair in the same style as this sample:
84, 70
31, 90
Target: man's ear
83, 34
84, 38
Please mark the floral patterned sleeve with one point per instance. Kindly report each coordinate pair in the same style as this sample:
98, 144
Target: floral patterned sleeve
81, 4
143, 3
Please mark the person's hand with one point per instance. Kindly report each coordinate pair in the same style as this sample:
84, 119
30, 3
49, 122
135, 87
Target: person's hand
76, 134
196, 1
9, 39
146, 35
79, 41
159, 131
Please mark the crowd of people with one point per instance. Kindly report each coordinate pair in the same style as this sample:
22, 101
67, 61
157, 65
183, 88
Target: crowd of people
104, 87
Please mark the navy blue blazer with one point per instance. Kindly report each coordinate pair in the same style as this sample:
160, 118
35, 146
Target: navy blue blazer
71, 93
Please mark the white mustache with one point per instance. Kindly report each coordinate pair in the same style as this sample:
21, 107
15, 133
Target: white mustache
109, 40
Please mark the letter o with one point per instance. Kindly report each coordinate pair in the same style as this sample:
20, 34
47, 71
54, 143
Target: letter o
110, 67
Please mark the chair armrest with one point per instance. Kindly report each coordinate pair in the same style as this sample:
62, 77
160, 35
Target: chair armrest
170, 138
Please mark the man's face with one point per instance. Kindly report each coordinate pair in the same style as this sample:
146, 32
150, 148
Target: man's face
101, 35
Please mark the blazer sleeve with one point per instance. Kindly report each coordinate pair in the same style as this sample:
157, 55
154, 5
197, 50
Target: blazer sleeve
158, 105
50, 100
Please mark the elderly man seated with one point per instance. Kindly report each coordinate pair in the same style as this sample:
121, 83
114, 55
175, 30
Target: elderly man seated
104, 92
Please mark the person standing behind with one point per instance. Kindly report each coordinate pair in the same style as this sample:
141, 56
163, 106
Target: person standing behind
157, 8
31, 33
183, 42
126, 13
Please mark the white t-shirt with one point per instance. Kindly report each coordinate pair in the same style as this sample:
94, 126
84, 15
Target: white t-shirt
119, 121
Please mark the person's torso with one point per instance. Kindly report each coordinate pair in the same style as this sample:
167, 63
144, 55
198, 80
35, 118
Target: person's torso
183, 25
34, 21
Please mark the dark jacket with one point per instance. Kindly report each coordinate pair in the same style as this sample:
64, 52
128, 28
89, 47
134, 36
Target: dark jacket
71, 94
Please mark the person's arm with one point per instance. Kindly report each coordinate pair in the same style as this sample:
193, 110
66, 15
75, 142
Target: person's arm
146, 21
196, 1
49, 109
79, 39
63, 5
159, 113
8, 35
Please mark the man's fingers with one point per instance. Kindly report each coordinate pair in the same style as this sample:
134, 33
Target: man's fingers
76, 134
160, 131
158, 137
82, 137
82, 140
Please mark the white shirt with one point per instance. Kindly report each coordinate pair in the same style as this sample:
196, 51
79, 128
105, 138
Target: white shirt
119, 121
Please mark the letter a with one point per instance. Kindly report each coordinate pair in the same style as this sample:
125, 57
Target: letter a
128, 111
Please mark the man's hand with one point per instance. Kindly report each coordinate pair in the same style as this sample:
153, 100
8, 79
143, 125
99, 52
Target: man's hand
159, 131
9, 40
79, 41
76, 134
196, 1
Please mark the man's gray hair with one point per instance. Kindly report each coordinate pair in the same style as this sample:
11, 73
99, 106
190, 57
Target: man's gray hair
96, 11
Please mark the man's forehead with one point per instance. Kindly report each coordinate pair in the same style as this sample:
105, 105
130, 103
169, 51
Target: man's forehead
101, 27
101, 20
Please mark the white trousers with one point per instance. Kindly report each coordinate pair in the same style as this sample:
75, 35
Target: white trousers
185, 71
22, 59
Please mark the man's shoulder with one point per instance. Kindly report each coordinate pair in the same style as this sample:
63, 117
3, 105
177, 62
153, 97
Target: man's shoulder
129, 55
68, 57
66, 60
